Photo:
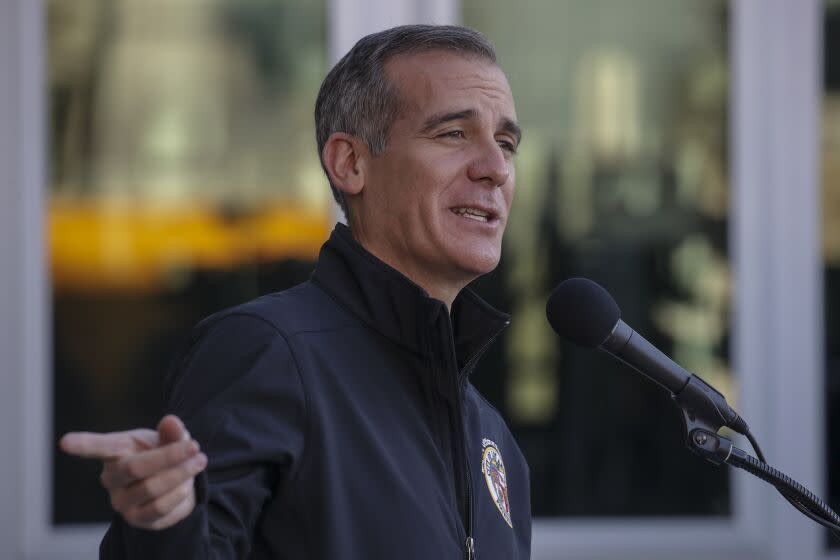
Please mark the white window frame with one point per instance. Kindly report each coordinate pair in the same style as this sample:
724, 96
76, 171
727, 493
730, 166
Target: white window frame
775, 99
776, 102
25, 307
775, 54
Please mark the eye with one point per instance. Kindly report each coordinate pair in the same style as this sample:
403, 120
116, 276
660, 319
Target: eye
452, 134
507, 146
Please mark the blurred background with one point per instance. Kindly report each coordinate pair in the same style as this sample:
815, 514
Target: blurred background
180, 176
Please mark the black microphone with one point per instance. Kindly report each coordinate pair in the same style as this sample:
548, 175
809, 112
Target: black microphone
586, 314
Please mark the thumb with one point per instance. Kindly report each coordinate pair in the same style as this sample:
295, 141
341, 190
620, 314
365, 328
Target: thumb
171, 429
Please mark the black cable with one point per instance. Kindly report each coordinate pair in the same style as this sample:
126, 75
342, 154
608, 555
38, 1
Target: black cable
833, 528
790, 497
800, 497
812, 506
754, 444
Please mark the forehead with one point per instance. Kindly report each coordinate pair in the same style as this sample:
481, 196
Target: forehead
435, 80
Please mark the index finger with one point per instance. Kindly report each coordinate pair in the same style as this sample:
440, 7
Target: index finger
149, 463
113, 445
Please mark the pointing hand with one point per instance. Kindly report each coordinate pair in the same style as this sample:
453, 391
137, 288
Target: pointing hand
148, 474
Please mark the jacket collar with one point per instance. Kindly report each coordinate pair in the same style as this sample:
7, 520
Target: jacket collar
393, 305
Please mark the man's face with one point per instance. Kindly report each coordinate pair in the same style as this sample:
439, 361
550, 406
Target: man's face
436, 202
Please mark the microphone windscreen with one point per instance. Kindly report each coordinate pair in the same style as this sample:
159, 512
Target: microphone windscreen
582, 311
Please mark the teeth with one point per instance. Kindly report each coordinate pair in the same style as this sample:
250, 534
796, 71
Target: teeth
472, 213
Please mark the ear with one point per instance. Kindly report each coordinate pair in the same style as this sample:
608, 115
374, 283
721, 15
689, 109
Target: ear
344, 157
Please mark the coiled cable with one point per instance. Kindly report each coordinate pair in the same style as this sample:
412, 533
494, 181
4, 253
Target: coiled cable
799, 497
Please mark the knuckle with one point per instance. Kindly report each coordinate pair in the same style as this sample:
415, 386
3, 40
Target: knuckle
177, 452
106, 477
188, 447
183, 490
159, 524
133, 518
133, 469
198, 463
116, 502
148, 487
157, 508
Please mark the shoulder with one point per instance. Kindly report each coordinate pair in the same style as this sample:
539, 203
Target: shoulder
243, 342
305, 307
229, 353
247, 346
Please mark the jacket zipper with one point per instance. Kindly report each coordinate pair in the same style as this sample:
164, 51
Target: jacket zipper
463, 478
469, 543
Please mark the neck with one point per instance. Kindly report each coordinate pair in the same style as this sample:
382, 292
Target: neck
436, 285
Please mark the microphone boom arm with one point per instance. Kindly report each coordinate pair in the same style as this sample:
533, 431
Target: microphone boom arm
719, 450
704, 410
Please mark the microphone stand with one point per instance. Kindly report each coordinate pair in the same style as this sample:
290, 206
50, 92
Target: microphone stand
701, 425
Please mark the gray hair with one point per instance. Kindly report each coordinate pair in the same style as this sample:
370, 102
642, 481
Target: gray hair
356, 96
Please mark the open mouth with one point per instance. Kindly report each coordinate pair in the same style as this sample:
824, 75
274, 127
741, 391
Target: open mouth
473, 214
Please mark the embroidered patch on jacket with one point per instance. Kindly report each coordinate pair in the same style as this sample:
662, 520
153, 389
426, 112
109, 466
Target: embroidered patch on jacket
494, 474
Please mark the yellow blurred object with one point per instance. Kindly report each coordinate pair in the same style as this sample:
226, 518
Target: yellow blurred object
122, 245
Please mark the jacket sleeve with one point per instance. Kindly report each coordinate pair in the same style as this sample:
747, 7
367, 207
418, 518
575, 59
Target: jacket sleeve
238, 391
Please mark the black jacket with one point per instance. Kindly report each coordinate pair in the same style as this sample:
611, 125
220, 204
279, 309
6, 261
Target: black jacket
339, 423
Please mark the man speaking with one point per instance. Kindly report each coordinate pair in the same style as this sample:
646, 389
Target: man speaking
336, 420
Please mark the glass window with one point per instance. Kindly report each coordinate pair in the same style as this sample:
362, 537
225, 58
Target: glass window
184, 179
831, 244
622, 178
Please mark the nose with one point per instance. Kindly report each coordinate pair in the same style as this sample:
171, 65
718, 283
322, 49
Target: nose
490, 165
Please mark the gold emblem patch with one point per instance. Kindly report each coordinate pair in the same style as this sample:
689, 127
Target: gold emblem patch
494, 474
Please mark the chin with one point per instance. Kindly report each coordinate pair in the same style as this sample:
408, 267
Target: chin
480, 265
469, 257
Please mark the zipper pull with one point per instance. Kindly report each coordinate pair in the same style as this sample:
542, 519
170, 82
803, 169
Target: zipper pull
470, 548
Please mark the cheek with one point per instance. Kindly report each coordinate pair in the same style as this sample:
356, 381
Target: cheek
508, 192
431, 182
446, 174
395, 187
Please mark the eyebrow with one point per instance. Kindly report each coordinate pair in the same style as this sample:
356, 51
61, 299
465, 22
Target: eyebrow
434, 121
512, 128
442, 118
